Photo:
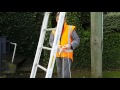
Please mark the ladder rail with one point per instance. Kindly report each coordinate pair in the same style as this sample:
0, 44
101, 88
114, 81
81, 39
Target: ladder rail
55, 45
40, 44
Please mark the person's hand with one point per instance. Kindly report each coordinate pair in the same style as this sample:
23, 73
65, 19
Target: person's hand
59, 47
67, 46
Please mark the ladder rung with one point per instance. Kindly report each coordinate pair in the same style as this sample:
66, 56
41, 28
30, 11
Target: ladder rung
47, 48
50, 29
42, 68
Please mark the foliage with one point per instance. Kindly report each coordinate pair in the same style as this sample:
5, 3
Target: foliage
112, 22
111, 50
82, 52
22, 28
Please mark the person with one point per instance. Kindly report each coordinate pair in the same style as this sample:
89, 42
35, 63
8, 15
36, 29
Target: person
69, 40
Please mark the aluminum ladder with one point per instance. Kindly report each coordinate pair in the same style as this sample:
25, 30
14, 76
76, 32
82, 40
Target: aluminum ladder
49, 69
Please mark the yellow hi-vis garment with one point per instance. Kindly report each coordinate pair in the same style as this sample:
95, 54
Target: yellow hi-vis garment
66, 32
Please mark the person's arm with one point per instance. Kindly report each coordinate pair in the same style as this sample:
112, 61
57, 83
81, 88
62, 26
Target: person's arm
76, 40
51, 39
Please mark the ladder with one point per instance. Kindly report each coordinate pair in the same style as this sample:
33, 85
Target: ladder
49, 69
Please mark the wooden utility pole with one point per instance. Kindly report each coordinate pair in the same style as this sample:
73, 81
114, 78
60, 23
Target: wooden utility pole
96, 44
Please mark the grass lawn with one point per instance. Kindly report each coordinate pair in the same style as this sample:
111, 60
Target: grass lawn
75, 74
87, 74
111, 74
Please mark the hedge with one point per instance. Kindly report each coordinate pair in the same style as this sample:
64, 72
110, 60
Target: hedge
24, 29
112, 22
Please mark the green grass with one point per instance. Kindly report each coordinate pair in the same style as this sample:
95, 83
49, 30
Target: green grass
75, 74
111, 74
83, 73
87, 74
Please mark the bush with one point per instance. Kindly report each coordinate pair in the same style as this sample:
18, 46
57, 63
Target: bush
111, 50
82, 52
112, 22
22, 28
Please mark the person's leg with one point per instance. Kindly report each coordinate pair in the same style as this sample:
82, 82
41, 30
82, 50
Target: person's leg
66, 68
59, 67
